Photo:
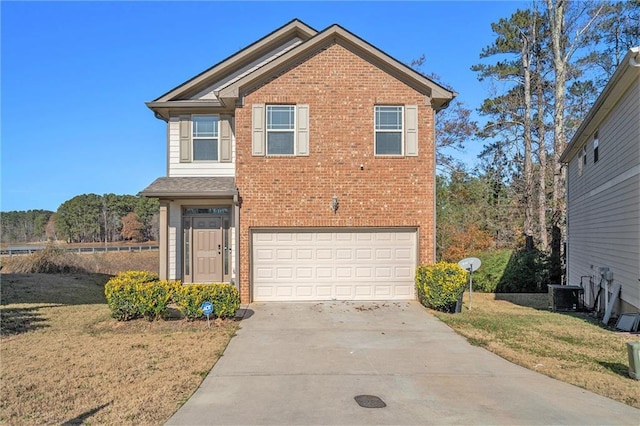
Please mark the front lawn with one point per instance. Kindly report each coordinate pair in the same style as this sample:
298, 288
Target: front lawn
65, 360
571, 347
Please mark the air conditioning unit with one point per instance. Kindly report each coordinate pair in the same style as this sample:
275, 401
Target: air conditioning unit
566, 297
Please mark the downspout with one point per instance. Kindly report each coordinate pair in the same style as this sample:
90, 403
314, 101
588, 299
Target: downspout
236, 223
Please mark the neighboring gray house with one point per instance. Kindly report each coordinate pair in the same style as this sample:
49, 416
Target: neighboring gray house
603, 190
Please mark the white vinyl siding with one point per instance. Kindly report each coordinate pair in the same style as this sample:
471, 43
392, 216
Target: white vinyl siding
326, 264
182, 168
603, 212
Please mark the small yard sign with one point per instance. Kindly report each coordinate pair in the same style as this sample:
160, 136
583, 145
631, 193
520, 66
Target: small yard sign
207, 309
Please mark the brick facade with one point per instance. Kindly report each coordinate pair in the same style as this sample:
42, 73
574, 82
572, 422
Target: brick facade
341, 89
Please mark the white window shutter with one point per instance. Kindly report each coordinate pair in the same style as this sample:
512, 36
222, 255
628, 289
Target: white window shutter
225, 138
302, 124
258, 127
185, 138
411, 130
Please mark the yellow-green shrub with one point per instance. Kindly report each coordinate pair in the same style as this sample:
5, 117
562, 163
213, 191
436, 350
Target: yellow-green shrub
124, 296
224, 297
153, 298
135, 294
440, 285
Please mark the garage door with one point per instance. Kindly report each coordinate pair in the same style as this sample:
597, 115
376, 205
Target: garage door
324, 265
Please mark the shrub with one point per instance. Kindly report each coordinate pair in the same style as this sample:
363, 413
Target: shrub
135, 294
526, 272
440, 285
153, 298
494, 263
224, 297
124, 297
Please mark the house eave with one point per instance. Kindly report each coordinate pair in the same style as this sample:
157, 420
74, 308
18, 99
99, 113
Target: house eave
163, 110
294, 28
439, 95
172, 195
625, 74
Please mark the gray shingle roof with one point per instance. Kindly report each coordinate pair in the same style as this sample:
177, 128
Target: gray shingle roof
180, 187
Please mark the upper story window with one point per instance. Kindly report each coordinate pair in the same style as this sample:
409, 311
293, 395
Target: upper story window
205, 137
389, 130
281, 126
595, 147
280, 130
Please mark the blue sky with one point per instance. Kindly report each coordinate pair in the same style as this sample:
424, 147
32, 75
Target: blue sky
75, 76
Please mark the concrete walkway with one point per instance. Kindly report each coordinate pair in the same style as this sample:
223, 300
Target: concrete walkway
304, 364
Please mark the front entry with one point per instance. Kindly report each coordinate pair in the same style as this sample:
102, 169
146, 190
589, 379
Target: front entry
204, 258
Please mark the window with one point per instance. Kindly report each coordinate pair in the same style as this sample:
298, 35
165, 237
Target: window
205, 137
582, 160
388, 130
595, 147
281, 129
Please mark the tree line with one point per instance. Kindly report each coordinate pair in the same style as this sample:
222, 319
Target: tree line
87, 218
543, 71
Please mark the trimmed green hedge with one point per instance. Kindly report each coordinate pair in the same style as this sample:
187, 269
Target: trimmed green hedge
137, 294
224, 297
440, 285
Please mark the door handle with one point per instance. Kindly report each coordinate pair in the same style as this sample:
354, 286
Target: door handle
219, 248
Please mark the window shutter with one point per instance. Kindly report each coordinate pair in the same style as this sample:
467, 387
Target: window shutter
411, 130
225, 138
257, 124
303, 129
185, 138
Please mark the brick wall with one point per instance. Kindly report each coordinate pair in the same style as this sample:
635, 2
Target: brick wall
341, 90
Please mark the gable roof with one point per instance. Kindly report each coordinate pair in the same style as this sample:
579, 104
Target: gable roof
253, 73
439, 95
625, 74
294, 28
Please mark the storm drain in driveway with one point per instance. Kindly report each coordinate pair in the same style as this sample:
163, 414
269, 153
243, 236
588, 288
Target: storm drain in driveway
369, 401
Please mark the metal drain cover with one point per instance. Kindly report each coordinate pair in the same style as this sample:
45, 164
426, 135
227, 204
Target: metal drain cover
369, 401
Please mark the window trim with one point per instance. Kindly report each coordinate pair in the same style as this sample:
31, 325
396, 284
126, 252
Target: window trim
293, 130
401, 130
582, 159
194, 138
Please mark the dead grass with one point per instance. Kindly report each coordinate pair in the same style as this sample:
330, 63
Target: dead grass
64, 360
572, 347
56, 261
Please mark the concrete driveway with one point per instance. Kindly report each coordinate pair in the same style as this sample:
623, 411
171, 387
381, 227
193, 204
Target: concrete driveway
304, 363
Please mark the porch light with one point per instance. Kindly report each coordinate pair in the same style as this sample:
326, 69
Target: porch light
334, 203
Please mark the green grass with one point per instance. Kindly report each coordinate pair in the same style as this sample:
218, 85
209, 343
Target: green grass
573, 348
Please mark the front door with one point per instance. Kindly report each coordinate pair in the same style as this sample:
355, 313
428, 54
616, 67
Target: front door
207, 249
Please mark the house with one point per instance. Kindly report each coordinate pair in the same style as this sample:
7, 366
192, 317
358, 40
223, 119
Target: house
603, 192
300, 168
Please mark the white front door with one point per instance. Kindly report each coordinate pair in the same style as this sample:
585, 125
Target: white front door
364, 264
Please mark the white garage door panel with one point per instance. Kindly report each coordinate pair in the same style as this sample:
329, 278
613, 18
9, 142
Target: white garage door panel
363, 265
